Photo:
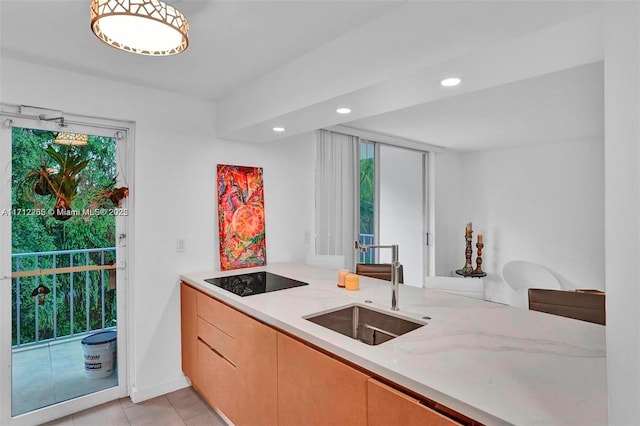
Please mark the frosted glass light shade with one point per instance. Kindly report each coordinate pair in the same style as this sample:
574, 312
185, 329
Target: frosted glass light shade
145, 27
68, 138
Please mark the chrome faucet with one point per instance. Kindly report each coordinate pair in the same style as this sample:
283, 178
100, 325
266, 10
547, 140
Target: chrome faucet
395, 269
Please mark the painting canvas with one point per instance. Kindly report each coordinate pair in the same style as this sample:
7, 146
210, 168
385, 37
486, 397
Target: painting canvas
241, 217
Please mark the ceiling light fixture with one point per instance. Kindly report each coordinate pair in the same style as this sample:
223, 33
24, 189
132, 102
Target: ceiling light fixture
343, 110
279, 129
69, 138
145, 27
449, 82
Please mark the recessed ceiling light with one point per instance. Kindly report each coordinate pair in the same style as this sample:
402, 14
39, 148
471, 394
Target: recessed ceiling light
452, 81
343, 110
279, 129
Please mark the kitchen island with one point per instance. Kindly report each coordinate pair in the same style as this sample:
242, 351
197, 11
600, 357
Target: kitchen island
492, 363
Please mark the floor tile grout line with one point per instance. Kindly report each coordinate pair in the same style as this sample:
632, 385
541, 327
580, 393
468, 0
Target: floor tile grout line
194, 395
124, 410
175, 408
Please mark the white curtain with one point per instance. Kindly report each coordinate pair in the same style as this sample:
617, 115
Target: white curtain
337, 195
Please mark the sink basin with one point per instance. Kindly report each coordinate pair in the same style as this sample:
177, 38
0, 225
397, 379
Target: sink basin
364, 324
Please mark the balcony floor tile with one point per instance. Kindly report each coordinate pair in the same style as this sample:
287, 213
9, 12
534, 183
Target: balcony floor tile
51, 373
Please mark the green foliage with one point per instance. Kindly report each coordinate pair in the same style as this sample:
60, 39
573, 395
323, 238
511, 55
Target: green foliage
367, 195
85, 171
64, 183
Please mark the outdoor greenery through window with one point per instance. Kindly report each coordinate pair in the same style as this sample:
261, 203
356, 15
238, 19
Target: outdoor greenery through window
77, 302
367, 198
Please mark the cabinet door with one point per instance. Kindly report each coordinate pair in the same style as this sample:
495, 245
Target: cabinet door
315, 389
257, 366
388, 406
189, 331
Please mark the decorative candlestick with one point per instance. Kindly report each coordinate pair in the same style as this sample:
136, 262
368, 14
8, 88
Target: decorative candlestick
468, 252
479, 245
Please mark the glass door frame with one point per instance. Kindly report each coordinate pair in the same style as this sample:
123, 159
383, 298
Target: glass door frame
123, 133
427, 252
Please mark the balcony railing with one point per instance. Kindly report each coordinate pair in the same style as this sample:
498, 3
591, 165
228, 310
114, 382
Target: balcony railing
369, 256
80, 297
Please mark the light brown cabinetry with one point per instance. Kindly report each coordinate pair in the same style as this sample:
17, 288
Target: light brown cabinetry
315, 389
235, 359
388, 406
218, 381
257, 376
257, 364
189, 332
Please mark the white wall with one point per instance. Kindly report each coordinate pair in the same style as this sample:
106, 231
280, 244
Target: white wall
176, 153
542, 204
290, 197
449, 218
622, 176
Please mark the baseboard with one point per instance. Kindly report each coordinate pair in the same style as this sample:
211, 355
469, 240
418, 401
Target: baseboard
139, 395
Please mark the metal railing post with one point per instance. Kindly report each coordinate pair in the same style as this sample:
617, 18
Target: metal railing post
102, 286
71, 295
36, 302
55, 299
18, 313
87, 297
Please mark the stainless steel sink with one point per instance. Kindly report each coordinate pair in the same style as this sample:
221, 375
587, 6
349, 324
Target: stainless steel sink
364, 324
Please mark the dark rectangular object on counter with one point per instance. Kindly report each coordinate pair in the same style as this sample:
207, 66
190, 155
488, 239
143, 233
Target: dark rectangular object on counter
254, 283
572, 304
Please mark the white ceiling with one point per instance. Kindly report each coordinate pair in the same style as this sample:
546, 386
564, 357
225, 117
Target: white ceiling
531, 70
561, 106
231, 42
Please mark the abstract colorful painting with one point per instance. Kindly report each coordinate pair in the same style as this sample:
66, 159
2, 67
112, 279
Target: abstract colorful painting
241, 217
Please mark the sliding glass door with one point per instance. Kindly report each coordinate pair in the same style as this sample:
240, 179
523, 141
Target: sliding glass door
393, 206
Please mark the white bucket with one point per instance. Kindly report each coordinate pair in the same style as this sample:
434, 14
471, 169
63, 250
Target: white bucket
99, 352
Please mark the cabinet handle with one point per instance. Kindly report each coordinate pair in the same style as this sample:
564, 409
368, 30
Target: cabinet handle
218, 353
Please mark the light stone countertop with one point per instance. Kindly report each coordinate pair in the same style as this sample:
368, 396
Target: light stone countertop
491, 362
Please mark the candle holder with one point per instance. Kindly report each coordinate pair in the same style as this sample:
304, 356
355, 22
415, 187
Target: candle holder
468, 252
478, 271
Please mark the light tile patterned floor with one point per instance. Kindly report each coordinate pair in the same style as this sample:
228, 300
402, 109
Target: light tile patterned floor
180, 408
51, 373
48, 374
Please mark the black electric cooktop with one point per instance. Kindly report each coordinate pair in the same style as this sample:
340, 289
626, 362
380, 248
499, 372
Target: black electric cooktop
254, 283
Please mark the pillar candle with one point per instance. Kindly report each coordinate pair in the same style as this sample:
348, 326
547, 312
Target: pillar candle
352, 282
342, 273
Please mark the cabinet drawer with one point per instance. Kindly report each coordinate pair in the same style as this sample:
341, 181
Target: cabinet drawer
217, 313
219, 341
219, 383
390, 406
